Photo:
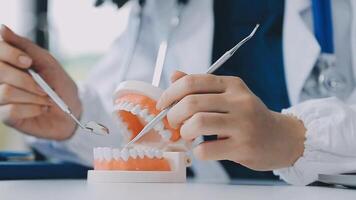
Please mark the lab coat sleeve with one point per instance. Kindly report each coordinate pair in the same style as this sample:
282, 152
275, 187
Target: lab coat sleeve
330, 140
79, 147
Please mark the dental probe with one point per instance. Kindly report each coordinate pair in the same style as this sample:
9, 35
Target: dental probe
91, 126
227, 55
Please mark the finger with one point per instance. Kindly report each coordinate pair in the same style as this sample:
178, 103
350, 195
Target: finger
11, 113
39, 56
17, 78
195, 103
204, 124
13, 95
191, 84
177, 75
13, 39
14, 56
213, 150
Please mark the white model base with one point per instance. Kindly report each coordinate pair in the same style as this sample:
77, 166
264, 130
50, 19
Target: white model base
178, 162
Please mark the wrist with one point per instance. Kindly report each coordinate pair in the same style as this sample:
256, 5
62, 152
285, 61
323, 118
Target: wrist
291, 132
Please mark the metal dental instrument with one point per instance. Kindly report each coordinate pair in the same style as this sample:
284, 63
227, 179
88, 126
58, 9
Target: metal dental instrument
227, 55
91, 126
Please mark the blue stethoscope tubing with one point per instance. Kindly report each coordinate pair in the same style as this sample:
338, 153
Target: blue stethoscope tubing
323, 25
331, 82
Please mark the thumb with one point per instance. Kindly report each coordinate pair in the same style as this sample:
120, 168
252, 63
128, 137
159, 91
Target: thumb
177, 75
15, 40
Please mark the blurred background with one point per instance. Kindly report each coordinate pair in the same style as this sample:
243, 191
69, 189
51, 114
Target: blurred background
73, 31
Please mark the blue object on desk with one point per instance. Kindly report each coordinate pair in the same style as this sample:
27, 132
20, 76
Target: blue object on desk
20, 170
15, 155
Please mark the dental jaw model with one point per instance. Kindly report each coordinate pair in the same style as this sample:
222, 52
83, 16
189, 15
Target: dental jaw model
159, 156
135, 104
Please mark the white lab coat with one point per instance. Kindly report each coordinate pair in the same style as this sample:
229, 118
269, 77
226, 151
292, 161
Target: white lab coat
331, 133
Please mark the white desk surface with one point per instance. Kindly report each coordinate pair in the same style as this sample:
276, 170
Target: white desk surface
81, 190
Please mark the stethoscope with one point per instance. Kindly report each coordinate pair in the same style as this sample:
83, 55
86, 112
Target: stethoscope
326, 80
163, 46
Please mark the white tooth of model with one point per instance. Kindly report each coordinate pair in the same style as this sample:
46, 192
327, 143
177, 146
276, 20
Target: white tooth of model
149, 118
125, 154
133, 153
136, 109
140, 153
124, 105
166, 134
149, 153
158, 153
152, 152
107, 153
129, 107
159, 126
121, 105
116, 153
144, 113
100, 153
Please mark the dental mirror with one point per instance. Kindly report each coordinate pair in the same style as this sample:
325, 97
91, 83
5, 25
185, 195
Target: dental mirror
96, 128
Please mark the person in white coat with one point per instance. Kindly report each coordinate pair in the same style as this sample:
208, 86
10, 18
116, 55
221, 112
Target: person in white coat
314, 135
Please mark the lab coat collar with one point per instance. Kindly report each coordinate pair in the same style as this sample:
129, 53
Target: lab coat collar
301, 50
